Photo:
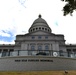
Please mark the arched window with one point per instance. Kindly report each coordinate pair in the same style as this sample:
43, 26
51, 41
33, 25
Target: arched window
32, 47
39, 28
33, 29
46, 47
42, 28
48, 30
36, 28
39, 47
45, 28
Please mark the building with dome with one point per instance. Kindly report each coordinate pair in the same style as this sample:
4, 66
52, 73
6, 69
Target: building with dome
37, 48
39, 38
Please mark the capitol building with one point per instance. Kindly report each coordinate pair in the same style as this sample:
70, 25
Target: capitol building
39, 50
38, 41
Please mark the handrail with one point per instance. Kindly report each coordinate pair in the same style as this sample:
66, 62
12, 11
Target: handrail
38, 52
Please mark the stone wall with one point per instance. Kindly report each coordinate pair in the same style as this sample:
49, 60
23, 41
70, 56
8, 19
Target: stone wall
31, 63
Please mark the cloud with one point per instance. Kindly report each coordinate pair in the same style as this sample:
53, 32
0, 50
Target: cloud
3, 33
22, 2
6, 36
6, 42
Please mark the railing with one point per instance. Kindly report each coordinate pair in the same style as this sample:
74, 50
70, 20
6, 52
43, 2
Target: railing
37, 53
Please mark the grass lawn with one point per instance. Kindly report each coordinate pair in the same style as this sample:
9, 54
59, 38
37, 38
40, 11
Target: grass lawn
39, 73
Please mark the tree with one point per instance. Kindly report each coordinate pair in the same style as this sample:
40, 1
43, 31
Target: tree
69, 7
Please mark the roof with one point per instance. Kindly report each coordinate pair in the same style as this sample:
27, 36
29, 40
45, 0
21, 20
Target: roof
40, 21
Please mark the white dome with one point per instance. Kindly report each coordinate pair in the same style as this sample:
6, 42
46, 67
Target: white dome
39, 24
39, 20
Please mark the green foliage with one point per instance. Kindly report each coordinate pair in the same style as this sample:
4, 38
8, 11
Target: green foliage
69, 7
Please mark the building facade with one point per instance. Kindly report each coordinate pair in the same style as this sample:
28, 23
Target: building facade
39, 39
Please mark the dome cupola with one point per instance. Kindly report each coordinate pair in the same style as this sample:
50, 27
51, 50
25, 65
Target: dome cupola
39, 24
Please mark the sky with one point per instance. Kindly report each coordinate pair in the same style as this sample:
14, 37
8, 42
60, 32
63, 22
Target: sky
16, 17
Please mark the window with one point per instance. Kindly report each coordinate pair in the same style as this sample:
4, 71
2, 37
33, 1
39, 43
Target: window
36, 28
32, 47
61, 53
48, 30
42, 28
46, 37
39, 47
39, 28
33, 29
46, 47
45, 28
69, 52
74, 50
33, 37
39, 37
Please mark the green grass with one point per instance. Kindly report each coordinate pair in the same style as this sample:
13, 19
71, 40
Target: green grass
39, 73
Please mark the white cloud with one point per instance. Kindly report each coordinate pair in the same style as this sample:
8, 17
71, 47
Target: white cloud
6, 42
4, 34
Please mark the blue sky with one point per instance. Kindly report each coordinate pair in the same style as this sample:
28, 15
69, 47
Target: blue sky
8, 37
16, 16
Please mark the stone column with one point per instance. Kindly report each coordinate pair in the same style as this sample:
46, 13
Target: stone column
2, 50
36, 47
24, 46
8, 52
27, 46
56, 47
43, 47
50, 47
